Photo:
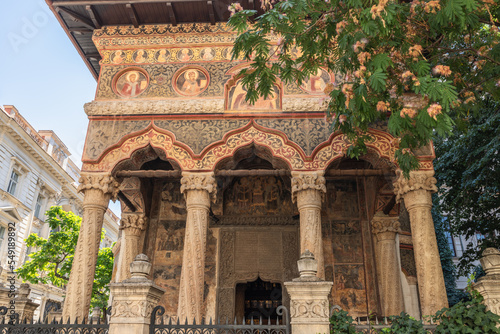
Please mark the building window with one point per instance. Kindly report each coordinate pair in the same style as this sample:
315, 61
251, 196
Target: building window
38, 207
2, 239
451, 243
14, 180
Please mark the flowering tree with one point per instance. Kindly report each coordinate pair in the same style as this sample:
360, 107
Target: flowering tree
407, 62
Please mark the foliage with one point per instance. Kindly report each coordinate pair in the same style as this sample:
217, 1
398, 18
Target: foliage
449, 269
445, 52
406, 324
467, 317
468, 174
51, 263
341, 323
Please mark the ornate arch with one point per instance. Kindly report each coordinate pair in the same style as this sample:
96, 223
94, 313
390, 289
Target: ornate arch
275, 141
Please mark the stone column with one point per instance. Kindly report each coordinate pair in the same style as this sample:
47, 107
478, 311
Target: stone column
134, 300
416, 192
385, 229
489, 286
308, 190
132, 226
309, 306
198, 189
25, 307
98, 189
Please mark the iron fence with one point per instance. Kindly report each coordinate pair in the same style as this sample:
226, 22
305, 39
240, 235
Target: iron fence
12, 325
260, 326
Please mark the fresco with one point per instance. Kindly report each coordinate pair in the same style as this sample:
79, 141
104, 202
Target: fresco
254, 195
235, 99
185, 54
131, 83
191, 81
317, 82
162, 55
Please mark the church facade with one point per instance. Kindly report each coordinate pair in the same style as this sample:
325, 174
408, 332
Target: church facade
223, 196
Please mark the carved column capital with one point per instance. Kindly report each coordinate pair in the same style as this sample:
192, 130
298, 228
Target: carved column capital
384, 224
419, 180
102, 182
133, 223
308, 180
199, 181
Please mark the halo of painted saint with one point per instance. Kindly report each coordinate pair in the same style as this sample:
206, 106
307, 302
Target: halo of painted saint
235, 99
131, 83
191, 81
317, 82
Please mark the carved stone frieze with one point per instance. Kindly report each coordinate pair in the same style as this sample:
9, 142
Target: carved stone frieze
254, 221
132, 308
309, 309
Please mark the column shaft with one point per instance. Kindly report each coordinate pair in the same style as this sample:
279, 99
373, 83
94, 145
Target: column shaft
308, 189
197, 188
417, 198
132, 226
391, 291
98, 189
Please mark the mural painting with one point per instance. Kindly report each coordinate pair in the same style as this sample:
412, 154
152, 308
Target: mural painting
162, 55
207, 53
257, 196
131, 83
184, 54
169, 247
191, 81
235, 99
317, 82
343, 246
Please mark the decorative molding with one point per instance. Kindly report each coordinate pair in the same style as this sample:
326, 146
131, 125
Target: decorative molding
226, 220
308, 180
418, 180
132, 308
186, 106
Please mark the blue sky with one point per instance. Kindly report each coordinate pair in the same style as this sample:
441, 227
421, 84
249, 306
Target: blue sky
42, 74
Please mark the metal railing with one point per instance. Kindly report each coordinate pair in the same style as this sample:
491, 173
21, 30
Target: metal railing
10, 325
260, 326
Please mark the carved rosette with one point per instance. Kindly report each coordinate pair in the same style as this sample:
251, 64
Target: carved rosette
133, 308
309, 309
98, 188
199, 181
419, 180
308, 190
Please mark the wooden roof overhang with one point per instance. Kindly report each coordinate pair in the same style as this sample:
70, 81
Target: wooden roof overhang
79, 18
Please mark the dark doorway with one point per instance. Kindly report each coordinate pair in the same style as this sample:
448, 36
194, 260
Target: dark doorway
258, 299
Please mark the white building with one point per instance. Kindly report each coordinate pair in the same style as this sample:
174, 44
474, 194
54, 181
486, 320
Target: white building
35, 174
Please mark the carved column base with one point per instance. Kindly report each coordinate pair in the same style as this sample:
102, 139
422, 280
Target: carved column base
309, 306
25, 307
489, 285
134, 300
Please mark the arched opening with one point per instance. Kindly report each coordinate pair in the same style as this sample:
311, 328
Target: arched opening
258, 228
257, 300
